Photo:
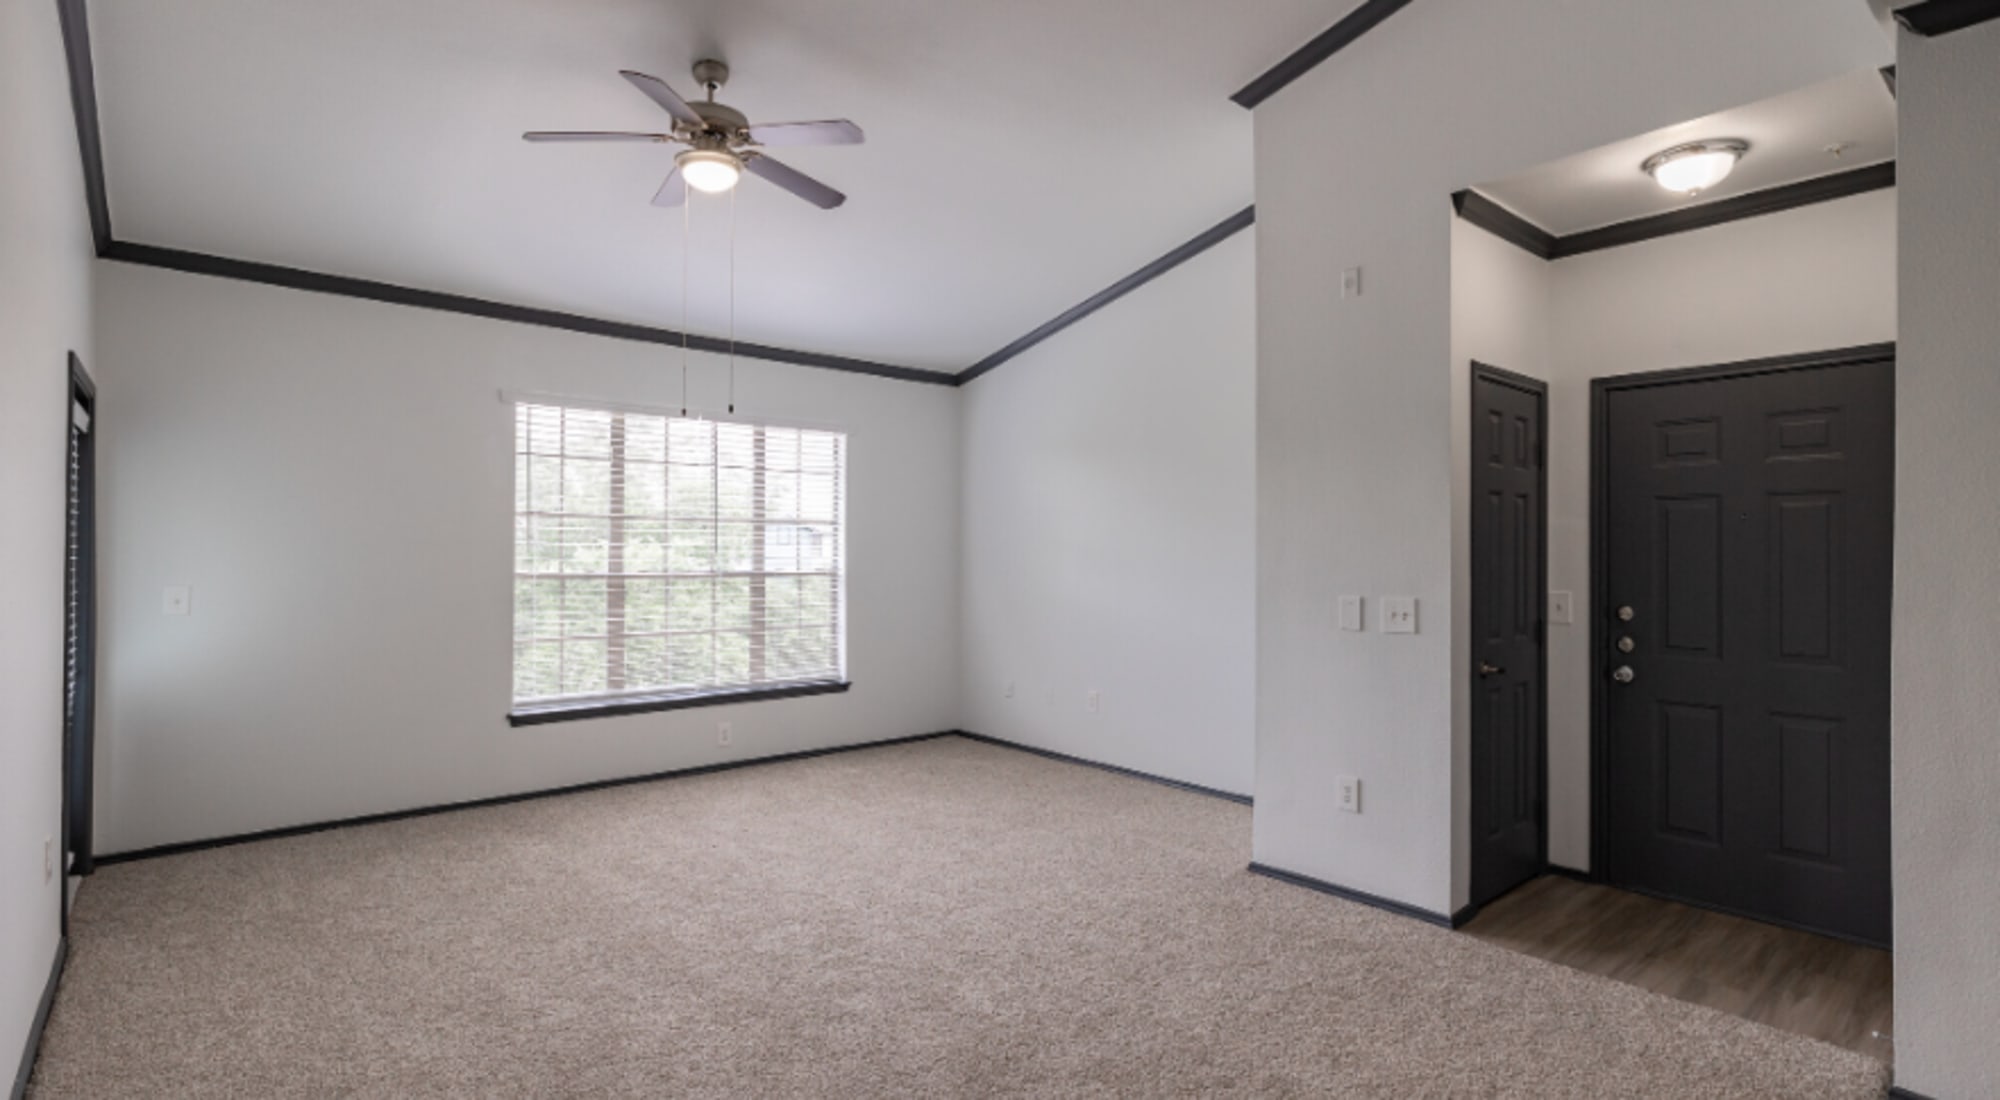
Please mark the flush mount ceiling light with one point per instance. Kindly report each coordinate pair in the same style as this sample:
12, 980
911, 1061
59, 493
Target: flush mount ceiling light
1696, 166
711, 170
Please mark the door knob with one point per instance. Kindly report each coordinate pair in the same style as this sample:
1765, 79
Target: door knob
1486, 670
1624, 674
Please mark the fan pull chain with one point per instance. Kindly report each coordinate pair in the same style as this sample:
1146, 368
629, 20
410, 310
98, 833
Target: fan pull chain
687, 247
732, 301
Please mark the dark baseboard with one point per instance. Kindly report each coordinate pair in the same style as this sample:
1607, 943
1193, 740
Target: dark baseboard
1051, 754
1401, 909
41, 1021
499, 800
1896, 1093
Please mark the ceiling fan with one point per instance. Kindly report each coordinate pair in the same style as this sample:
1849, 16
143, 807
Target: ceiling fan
721, 143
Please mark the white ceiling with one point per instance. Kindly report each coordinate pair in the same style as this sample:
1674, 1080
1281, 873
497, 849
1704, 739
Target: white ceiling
1788, 138
1022, 154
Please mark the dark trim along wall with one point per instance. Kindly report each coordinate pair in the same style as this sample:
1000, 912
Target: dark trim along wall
83, 97
1401, 909
1208, 238
1516, 230
1331, 41
499, 800
1935, 17
40, 1022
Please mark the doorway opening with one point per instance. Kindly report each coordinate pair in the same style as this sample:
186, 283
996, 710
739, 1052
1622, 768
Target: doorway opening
79, 630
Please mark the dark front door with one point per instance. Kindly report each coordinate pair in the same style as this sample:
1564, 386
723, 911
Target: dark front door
1509, 594
1746, 641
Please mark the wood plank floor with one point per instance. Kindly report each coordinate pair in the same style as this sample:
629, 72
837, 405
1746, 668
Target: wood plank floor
1812, 985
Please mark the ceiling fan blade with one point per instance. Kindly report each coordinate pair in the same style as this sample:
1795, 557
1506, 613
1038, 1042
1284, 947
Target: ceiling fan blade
795, 181
657, 91
835, 131
592, 135
674, 191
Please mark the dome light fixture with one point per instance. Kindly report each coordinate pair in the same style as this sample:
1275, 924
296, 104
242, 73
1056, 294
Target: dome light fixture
712, 171
1695, 167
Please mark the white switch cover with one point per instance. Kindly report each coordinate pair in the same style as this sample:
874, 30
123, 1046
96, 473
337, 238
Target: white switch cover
177, 599
1091, 701
1350, 283
1010, 689
1347, 793
1399, 614
1562, 607
1350, 613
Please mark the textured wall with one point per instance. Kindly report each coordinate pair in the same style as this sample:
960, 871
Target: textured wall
1947, 626
1109, 531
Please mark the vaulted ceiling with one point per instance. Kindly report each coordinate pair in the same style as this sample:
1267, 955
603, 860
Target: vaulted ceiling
1021, 154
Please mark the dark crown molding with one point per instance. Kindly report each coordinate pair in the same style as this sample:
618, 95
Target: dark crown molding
1207, 239
1516, 230
1334, 39
83, 103
200, 263
1935, 17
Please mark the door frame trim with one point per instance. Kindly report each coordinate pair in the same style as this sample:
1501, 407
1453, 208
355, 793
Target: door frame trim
1539, 389
1601, 390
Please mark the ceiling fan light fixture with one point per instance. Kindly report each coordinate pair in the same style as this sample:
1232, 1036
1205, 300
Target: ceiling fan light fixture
1695, 167
712, 171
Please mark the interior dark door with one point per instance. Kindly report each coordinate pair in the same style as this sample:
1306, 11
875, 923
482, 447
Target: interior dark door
1509, 595
1747, 570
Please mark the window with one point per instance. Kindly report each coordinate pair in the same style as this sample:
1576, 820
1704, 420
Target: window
662, 561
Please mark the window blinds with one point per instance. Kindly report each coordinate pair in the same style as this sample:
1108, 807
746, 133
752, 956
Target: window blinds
660, 557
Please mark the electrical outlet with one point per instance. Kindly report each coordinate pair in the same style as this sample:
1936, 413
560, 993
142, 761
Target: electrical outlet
178, 599
48, 858
1399, 614
1010, 689
1091, 701
1562, 607
724, 733
1350, 283
1347, 793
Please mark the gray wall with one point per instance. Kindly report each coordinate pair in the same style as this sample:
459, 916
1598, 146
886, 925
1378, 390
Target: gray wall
1355, 399
332, 478
1109, 531
45, 271
1947, 624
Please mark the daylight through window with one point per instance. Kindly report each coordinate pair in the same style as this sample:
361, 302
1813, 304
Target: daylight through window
659, 557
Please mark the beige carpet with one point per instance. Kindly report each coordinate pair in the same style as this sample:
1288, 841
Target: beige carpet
938, 919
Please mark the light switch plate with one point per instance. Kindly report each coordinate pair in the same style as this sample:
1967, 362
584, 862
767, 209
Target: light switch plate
1399, 614
1350, 283
1350, 614
1562, 607
1347, 793
177, 600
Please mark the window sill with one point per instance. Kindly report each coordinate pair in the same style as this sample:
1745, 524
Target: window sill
577, 712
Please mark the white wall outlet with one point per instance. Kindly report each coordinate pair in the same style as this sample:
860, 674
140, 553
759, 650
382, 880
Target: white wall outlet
1347, 793
48, 858
178, 599
1562, 607
1010, 689
1092, 701
1399, 614
1350, 614
724, 733
1350, 283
